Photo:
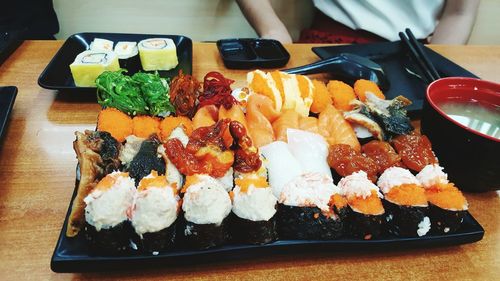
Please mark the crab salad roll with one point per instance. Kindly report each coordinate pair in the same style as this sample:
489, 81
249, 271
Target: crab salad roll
206, 205
107, 225
154, 213
405, 203
447, 204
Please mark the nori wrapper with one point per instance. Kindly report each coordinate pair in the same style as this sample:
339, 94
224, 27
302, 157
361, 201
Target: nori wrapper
146, 160
112, 241
365, 226
203, 236
403, 220
253, 232
307, 223
445, 221
157, 241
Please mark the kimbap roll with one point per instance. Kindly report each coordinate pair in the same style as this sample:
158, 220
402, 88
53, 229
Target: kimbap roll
448, 205
107, 226
154, 213
88, 65
101, 45
306, 209
364, 199
254, 207
158, 54
405, 203
128, 56
206, 205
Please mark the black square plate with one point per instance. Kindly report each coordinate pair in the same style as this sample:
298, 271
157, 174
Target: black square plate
72, 254
397, 65
57, 75
7, 98
247, 53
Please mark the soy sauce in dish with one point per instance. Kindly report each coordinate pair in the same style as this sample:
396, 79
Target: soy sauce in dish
484, 118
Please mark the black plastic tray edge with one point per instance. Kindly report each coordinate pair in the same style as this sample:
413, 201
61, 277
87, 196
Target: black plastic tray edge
245, 251
11, 98
9, 49
41, 78
441, 63
255, 63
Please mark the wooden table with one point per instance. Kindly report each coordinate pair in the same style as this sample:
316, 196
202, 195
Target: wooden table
37, 174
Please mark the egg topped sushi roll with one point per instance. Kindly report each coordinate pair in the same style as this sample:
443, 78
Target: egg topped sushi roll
306, 209
405, 202
107, 225
206, 205
364, 199
254, 207
448, 205
158, 54
155, 212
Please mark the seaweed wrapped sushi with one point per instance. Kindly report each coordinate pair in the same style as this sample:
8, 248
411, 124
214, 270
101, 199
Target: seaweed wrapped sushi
206, 205
405, 203
107, 224
154, 213
306, 209
447, 204
254, 209
367, 216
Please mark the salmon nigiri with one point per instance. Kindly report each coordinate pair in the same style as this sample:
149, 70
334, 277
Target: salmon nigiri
260, 114
235, 113
289, 119
335, 129
205, 116
309, 124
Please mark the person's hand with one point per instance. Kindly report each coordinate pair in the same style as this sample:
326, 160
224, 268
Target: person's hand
281, 35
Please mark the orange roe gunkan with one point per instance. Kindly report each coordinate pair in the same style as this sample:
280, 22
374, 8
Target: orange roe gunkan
115, 122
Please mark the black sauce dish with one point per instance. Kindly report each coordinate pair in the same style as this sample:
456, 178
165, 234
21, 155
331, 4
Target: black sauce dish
471, 158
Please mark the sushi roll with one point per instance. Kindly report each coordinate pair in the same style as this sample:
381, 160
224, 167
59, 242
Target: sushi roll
367, 215
90, 64
154, 213
128, 56
254, 209
206, 205
306, 209
101, 45
107, 225
158, 54
405, 203
447, 204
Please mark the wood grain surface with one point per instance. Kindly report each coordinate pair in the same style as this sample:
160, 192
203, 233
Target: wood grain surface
37, 174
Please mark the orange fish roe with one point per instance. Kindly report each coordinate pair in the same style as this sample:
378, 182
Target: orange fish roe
407, 195
168, 124
190, 180
245, 182
341, 94
362, 86
154, 181
446, 196
338, 201
144, 126
109, 180
115, 122
371, 205
321, 97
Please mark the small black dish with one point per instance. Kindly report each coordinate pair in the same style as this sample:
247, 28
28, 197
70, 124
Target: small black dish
57, 74
247, 53
7, 98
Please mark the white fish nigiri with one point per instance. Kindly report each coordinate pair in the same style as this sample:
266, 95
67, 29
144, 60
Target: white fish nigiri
282, 166
310, 150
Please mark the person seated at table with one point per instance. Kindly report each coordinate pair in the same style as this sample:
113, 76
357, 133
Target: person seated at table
365, 21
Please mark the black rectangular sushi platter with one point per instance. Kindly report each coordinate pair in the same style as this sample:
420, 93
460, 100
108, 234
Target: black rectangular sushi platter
73, 254
7, 97
57, 75
401, 72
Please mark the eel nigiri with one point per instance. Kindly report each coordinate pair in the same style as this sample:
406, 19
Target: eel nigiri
335, 129
260, 114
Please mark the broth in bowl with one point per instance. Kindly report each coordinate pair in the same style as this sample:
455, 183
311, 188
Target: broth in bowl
481, 117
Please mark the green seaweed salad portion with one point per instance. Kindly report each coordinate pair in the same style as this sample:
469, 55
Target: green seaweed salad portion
141, 93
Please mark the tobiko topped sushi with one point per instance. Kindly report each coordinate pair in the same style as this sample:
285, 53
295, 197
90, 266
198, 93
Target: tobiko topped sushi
448, 205
107, 225
154, 213
405, 203
206, 205
364, 199
254, 209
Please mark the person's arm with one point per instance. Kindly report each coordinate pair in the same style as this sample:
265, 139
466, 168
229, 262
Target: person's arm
456, 22
261, 16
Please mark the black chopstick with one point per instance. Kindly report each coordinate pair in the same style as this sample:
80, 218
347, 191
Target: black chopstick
418, 55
